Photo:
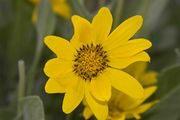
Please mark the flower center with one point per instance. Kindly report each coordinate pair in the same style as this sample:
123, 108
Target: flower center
90, 61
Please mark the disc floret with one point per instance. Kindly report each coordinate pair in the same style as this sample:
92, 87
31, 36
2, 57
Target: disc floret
90, 61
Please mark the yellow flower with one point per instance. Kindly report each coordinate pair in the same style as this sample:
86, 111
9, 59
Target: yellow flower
123, 107
139, 71
88, 65
60, 7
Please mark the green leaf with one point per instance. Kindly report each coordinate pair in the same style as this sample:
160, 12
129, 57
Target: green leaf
32, 108
46, 20
168, 108
169, 79
168, 56
168, 94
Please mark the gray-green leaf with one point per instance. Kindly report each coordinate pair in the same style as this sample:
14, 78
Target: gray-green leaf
32, 108
169, 79
168, 108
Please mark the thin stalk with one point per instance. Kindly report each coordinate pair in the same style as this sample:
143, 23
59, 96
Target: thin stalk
32, 72
45, 16
118, 12
177, 51
69, 116
101, 3
80, 9
111, 5
21, 85
14, 44
81, 2
144, 6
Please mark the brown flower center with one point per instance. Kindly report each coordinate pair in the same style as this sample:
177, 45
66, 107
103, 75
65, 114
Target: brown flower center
90, 61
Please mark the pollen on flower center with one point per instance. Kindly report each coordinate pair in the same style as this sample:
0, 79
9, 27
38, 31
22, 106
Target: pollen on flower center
90, 61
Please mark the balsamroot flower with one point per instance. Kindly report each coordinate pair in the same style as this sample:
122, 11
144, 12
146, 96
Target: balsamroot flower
129, 107
92, 61
139, 71
59, 7
121, 106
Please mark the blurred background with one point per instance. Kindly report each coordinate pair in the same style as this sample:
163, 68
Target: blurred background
24, 23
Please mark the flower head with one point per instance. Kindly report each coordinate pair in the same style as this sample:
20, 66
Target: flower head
59, 7
92, 61
122, 106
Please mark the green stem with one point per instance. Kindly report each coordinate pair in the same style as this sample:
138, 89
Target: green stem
32, 72
177, 51
112, 4
45, 16
118, 12
101, 3
81, 2
21, 86
69, 116
80, 9
144, 6
14, 44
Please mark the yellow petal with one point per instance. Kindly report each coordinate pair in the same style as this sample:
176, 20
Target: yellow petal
131, 115
137, 69
61, 47
122, 117
121, 100
131, 48
116, 115
102, 23
141, 109
123, 32
148, 92
149, 78
34, 16
83, 32
87, 113
73, 96
100, 110
84, 102
146, 106
135, 103
125, 83
52, 86
67, 80
61, 8
137, 116
55, 67
101, 88
124, 62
